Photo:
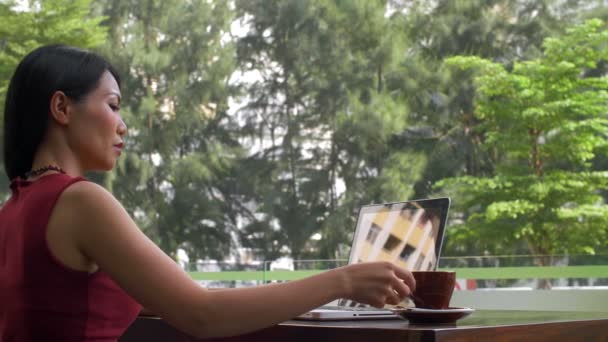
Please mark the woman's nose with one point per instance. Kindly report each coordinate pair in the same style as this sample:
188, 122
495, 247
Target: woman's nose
122, 128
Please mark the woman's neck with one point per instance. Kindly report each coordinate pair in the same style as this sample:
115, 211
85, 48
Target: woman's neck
61, 158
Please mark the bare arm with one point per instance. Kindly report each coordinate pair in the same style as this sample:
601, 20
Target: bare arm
105, 233
262, 306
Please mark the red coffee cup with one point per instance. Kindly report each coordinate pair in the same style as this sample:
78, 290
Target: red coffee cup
433, 289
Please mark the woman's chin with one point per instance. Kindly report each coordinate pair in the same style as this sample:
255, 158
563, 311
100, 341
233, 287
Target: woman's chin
110, 167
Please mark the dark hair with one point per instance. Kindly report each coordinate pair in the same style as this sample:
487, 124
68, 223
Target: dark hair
38, 76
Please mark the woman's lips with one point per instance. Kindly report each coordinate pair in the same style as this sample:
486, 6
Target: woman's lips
118, 148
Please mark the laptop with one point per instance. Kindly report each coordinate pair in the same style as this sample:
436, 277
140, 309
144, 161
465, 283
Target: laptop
409, 233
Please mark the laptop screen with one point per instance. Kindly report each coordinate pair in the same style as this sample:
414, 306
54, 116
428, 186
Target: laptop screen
410, 234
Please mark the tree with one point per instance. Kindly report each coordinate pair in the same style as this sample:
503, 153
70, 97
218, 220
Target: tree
371, 103
42, 22
441, 103
445, 125
546, 121
324, 115
175, 178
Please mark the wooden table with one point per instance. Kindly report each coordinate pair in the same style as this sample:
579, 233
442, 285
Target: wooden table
482, 325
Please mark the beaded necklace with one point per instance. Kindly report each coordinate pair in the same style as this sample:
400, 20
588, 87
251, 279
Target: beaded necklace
37, 172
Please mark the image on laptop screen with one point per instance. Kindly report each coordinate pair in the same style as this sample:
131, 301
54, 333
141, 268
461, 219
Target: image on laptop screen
409, 234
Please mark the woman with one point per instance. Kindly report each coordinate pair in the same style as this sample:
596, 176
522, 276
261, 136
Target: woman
75, 267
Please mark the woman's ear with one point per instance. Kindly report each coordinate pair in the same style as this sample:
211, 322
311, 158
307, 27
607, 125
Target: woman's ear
60, 108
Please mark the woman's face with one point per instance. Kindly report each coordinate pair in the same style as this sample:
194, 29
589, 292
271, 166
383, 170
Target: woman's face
96, 129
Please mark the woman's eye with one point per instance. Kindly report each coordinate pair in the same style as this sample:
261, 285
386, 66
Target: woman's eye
114, 107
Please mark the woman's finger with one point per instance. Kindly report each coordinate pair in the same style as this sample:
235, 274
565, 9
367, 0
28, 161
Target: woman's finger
394, 298
400, 288
407, 277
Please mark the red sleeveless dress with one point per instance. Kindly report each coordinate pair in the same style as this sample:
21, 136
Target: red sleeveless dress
40, 298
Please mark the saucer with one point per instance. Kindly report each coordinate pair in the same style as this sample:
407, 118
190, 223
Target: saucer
419, 315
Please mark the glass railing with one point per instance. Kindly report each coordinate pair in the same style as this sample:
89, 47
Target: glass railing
224, 274
473, 272
529, 271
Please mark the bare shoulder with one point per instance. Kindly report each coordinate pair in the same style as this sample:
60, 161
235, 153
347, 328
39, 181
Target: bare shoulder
84, 214
84, 187
89, 204
96, 216
95, 221
86, 194
105, 233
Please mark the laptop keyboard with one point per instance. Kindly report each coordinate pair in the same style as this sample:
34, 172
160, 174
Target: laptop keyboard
351, 308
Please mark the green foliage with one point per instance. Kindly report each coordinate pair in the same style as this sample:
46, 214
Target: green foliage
46, 22
443, 124
545, 120
280, 132
50, 21
324, 109
176, 177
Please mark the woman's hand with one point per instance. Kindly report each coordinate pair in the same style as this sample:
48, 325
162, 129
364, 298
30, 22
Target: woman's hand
377, 283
